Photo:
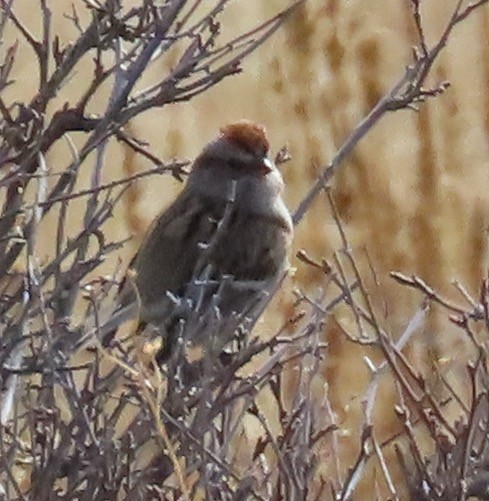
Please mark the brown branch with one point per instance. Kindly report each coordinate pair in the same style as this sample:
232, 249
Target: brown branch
176, 168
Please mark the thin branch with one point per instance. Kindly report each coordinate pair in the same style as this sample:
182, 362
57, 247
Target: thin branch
406, 91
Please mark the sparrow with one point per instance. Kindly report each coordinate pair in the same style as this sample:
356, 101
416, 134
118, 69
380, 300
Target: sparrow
221, 244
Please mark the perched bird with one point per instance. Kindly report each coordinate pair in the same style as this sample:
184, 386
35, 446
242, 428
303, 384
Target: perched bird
229, 224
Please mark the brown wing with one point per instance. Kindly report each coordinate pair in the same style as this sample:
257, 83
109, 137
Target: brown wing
168, 255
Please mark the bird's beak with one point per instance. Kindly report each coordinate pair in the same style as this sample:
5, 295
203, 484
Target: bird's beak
266, 166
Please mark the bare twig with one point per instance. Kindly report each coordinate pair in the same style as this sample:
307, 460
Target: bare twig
405, 93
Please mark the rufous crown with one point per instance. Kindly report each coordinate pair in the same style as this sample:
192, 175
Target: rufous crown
248, 135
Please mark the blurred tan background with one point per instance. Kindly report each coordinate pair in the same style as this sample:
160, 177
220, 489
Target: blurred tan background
414, 193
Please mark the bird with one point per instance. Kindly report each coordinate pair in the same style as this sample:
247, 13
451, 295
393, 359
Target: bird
228, 235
